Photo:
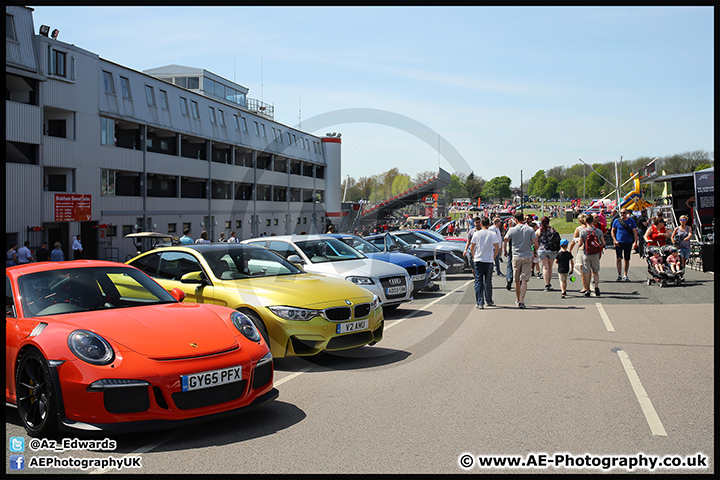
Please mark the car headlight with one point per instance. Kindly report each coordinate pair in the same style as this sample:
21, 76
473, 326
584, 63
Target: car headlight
90, 347
293, 313
361, 280
375, 303
243, 323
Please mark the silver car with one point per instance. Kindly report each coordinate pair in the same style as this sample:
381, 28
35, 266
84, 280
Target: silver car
329, 256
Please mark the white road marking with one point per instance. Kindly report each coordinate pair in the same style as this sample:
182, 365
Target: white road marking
291, 376
605, 318
651, 415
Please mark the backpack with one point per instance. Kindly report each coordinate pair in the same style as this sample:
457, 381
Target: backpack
592, 243
554, 242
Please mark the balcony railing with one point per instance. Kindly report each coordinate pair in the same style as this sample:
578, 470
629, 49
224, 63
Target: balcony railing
261, 108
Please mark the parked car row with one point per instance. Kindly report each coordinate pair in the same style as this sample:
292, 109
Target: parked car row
182, 333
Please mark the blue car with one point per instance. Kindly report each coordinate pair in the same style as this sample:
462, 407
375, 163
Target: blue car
416, 268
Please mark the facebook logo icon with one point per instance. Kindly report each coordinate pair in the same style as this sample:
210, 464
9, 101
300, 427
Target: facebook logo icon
17, 462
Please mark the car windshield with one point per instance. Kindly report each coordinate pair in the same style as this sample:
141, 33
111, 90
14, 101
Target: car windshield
328, 250
240, 262
360, 244
70, 290
400, 242
431, 234
412, 237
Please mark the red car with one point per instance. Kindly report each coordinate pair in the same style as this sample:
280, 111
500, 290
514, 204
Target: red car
100, 346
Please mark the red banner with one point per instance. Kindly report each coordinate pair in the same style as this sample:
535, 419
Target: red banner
71, 207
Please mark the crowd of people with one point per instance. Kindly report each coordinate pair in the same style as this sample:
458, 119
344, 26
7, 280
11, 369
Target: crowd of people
23, 255
531, 245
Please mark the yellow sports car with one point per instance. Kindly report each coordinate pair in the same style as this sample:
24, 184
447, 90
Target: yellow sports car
297, 313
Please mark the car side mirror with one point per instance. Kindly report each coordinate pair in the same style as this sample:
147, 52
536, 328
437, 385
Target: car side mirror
178, 294
193, 277
394, 248
295, 259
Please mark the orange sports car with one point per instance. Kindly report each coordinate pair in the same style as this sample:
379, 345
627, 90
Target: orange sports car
100, 346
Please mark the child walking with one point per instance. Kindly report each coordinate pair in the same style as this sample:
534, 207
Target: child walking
565, 265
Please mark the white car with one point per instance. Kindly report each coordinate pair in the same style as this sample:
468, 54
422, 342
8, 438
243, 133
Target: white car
326, 255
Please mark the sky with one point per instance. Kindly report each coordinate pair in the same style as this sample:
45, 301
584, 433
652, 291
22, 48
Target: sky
492, 90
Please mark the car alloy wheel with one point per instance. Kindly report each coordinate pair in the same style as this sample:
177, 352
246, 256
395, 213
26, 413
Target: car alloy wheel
35, 396
435, 269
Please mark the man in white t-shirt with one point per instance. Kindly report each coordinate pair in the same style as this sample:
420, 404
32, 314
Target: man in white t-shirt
497, 228
484, 247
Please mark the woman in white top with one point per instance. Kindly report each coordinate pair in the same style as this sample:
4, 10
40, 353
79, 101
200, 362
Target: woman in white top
579, 256
203, 237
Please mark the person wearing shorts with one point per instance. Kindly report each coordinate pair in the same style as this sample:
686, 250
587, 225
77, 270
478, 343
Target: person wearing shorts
523, 238
625, 237
681, 237
591, 261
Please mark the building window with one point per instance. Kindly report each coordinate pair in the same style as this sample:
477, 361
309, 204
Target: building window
244, 124
222, 117
209, 86
150, 95
108, 81
164, 100
125, 87
56, 183
10, 27
257, 129
195, 110
107, 126
237, 122
220, 90
57, 128
212, 115
183, 106
107, 182
172, 228
57, 64
262, 129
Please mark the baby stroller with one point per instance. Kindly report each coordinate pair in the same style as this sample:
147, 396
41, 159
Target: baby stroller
668, 277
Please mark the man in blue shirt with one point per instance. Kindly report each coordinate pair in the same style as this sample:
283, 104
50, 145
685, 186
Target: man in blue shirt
625, 238
185, 239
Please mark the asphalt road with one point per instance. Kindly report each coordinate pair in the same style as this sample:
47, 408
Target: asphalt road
627, 376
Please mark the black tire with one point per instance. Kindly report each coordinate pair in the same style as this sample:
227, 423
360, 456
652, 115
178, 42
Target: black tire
36, 402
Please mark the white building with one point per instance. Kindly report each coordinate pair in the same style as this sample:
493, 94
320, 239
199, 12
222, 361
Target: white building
99, 149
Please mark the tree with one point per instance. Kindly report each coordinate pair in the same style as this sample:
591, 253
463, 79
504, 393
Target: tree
457, 188
400, 184
550, 190
474, 186
498, 187
569, 187
684, 162
536, 185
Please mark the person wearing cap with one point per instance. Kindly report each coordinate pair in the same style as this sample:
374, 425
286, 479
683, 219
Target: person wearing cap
625, 238
566, 265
